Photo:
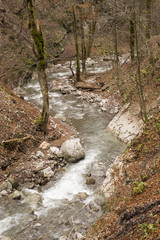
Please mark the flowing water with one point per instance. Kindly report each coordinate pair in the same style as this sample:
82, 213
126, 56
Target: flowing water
62, 212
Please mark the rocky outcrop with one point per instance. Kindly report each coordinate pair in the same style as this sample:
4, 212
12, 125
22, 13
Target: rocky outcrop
126, 124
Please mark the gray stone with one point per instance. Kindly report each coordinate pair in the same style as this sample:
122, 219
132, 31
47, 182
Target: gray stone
81, 195
44, 145
55, 150
61, 117
89, 62
9, 186
39, 166
40, 154
16, 195
47, 172
63, 238
90, 181
93, 206
13, 181
73, 150
34, 199
37, 225
4, 193
3, 186
78, 236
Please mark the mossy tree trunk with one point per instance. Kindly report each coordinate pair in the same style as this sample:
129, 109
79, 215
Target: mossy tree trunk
78, 74
39, 51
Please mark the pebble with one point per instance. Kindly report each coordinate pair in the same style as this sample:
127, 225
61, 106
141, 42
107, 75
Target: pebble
37, 225
40, 154
4, 193
44, 145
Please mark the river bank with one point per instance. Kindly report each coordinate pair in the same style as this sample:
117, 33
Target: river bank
100, 97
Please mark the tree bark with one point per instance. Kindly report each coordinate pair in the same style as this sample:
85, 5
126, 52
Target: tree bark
149, 18
39, 51
92, 29
76, 43
132, 34
139, 79
116, 57
83, 46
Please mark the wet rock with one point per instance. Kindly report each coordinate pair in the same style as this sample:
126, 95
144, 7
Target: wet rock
90, 181
4, 238
16, 195
40, 154
33, 199
61, 117
73, 150
44, 145
93, 206
81, 195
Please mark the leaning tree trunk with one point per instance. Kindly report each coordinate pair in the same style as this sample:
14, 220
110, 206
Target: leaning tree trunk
39, 51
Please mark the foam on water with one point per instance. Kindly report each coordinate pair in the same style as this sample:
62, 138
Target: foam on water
9, 222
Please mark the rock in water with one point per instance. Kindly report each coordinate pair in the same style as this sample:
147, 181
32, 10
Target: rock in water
73, 150
90, 181
16, 195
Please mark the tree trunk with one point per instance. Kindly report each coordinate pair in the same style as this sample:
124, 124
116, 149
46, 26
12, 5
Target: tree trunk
139, 79
76, 43
132, 34
92, 29
39, 51
116, 57
149, 18
83, 47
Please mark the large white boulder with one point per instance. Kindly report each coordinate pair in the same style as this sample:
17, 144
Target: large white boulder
73, 150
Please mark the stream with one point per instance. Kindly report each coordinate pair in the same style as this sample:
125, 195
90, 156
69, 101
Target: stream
69, 205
